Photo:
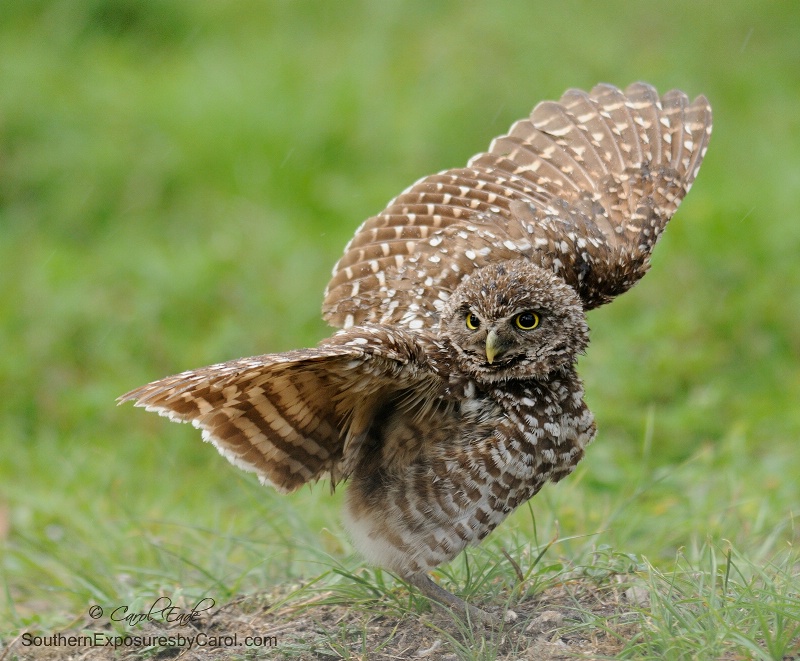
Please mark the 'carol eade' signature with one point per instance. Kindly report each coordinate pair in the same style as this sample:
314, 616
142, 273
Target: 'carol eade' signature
161, 610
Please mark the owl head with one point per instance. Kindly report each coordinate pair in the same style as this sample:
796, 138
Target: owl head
514, 320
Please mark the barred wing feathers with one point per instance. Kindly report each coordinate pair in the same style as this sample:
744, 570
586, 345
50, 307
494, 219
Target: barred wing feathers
584, 186
299, 416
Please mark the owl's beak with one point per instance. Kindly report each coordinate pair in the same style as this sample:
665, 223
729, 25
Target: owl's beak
495, 347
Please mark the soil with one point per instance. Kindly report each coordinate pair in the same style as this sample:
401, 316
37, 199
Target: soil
577, 619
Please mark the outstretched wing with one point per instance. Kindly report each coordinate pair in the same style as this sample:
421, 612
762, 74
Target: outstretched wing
295, 417
584, 186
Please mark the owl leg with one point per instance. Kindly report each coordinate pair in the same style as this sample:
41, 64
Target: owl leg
449, 601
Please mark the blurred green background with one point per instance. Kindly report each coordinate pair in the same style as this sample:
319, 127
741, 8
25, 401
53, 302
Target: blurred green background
177, 178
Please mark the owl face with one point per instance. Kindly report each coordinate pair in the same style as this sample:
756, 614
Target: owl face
514, 320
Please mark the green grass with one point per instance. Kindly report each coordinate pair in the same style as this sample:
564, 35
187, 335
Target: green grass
708, 610
178, 177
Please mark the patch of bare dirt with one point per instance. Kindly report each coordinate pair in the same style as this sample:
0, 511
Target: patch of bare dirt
572, 619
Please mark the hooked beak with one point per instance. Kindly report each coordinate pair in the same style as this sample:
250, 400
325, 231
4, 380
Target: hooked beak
495, 347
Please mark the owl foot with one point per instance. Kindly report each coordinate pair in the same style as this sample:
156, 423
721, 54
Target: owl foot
448, 601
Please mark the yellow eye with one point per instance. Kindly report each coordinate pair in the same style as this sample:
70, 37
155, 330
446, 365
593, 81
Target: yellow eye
526, 320
472, 321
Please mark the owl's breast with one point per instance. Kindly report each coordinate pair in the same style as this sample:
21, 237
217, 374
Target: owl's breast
446, 480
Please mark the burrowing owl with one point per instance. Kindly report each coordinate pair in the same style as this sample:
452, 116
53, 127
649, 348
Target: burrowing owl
450, 396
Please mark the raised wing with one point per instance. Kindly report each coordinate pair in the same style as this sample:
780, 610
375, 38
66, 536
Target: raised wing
584, 186
295, 417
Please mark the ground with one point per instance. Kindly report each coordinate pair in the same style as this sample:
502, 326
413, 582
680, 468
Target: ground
563, 622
